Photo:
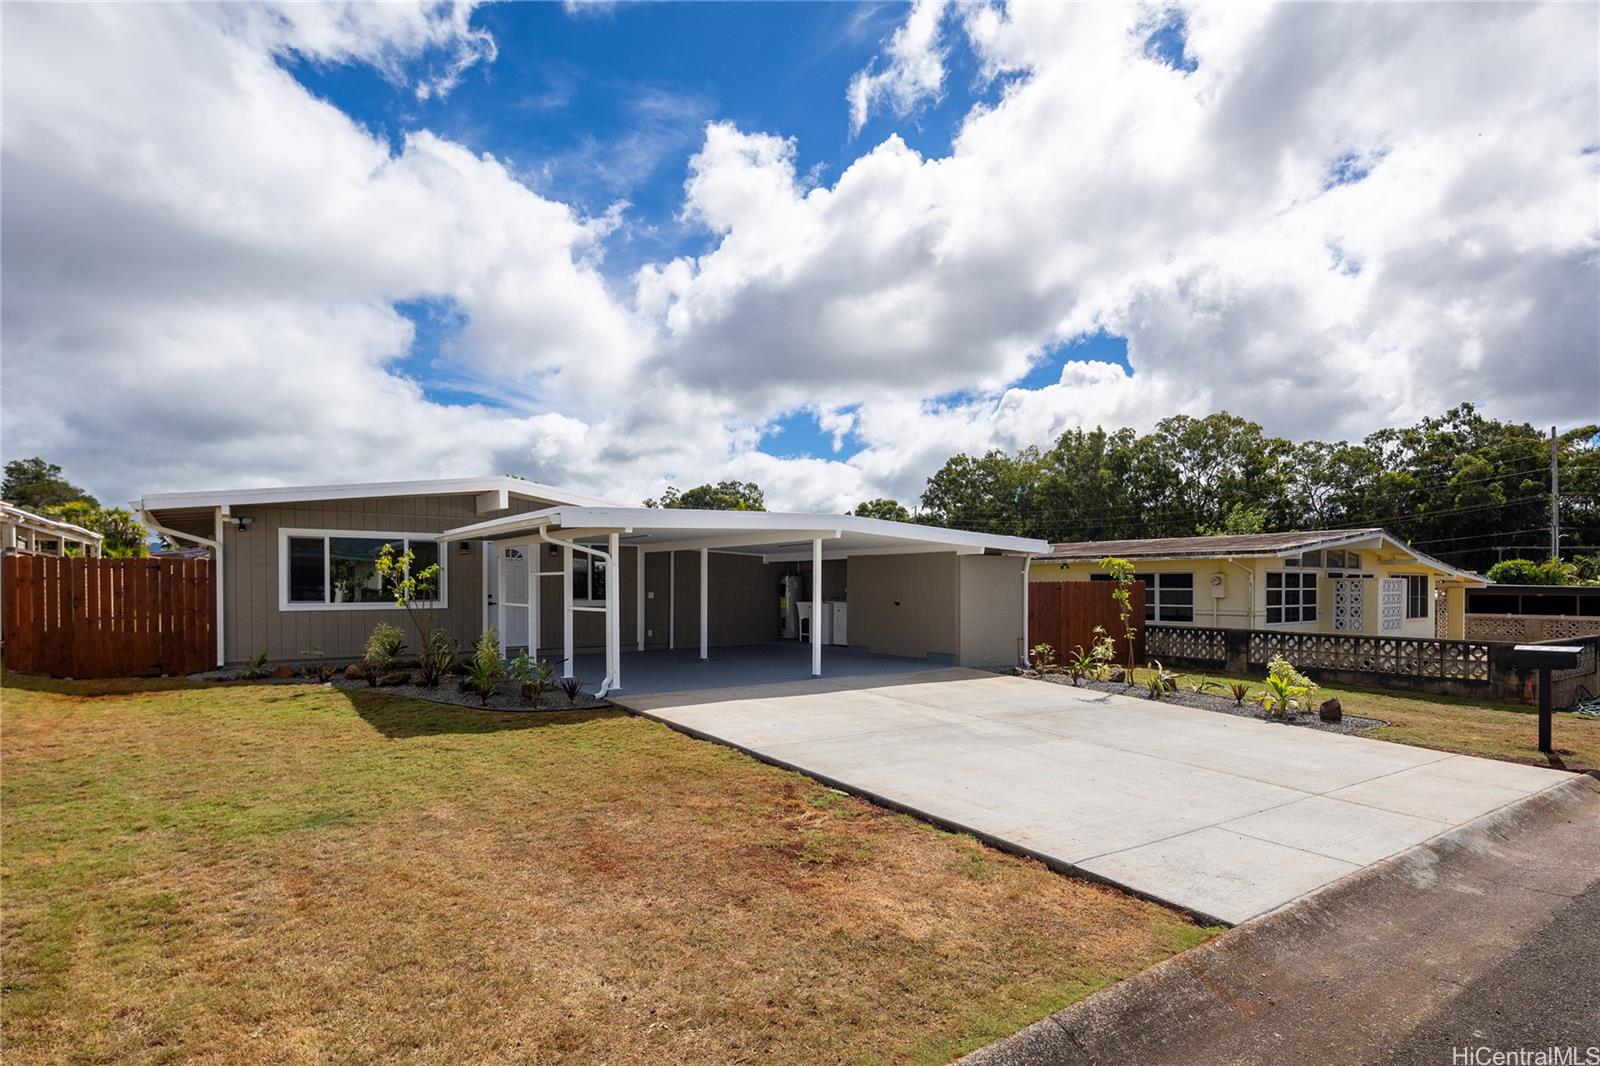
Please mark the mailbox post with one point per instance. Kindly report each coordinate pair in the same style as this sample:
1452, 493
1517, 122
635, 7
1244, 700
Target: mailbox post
1546, 657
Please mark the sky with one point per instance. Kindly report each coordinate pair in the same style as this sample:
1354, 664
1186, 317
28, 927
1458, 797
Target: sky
818, 246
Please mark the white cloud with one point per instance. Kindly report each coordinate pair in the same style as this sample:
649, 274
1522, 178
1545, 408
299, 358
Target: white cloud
201, 260
914, 70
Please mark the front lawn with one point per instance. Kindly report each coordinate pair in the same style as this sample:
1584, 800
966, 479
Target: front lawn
295, 873
1449, 723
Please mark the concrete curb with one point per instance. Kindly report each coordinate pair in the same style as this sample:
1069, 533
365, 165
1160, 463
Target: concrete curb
1510, 868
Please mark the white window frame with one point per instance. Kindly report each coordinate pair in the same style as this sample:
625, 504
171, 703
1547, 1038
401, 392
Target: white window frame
442, 593
1152, 595
1302, 579
583, 562
1427, 596
1155, 603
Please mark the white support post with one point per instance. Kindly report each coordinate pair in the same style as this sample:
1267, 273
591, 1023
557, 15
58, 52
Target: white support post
638, 592
534, 550
672, 600
500, 598
483, 583
566, 611
614, 611
1027, 560
705, 614
222, 648
816, 607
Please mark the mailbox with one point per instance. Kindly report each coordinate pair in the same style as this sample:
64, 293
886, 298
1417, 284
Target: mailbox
1546, 657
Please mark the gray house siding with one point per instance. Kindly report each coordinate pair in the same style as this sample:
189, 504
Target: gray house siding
254, 624
905, 604
991, 610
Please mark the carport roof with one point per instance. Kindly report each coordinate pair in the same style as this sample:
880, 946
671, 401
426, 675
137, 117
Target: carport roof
774, 535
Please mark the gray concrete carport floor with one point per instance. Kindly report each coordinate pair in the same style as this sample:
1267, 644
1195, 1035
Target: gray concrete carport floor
1225, 817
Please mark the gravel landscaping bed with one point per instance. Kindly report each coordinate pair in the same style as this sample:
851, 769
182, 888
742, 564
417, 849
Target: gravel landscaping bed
506, 696
231, 676
1206, 701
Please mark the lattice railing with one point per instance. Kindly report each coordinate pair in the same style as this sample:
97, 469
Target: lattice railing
1529, 627
1416, 657
1200, 643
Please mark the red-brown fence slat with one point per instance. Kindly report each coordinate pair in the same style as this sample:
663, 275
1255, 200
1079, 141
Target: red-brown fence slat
1064, 614
171, 600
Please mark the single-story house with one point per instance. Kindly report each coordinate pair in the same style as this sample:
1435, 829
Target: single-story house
565, 574
24, 531
1356, 581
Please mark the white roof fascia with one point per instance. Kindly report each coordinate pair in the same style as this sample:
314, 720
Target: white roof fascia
1384, 539
1428, 560
38, 523
1319, 545
757, 524
474, 486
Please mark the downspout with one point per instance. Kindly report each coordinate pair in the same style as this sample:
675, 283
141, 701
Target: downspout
150, 522
1250, 593
612, 573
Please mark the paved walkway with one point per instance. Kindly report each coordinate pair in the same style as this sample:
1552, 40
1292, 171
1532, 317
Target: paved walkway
1226, 817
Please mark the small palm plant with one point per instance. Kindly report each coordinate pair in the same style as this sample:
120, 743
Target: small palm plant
1159, 680
1081, 664
1281, 697
485, 668
1043, 657
256, 667
481, 676
383, 648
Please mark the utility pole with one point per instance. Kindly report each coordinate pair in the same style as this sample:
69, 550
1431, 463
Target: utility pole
1555, 498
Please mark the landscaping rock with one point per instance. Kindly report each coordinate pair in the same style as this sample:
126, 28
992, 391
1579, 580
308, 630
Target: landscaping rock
1117, 676
1205, 701
354, 673
283, 673
389, 680
1331, 711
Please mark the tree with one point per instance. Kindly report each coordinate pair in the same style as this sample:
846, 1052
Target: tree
723, 496
123, 536
435, 649
1239, 520
34, 484
1459, 486
884, 508
1121, 571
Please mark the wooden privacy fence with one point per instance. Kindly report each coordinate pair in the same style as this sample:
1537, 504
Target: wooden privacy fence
107, 617
1063, 614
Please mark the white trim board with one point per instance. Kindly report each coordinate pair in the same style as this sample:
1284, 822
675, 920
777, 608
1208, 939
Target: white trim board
488, 490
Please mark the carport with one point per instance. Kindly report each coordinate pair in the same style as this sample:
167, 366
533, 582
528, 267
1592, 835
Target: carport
669, 581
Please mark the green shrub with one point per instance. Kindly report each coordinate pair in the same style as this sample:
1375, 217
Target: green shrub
481, 676
256, 667
1159, 680
383, 648
440, 651
487, 650
1528, 572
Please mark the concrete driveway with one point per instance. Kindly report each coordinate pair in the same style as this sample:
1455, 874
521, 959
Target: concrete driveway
1223, 816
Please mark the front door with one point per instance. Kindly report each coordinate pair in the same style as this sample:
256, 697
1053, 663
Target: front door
1347, 605
513, 618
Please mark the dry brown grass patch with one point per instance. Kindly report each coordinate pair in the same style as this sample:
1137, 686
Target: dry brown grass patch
258, 873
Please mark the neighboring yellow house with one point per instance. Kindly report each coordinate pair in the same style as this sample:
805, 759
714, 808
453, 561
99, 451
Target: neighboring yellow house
1352, 581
